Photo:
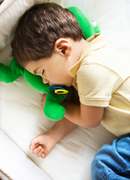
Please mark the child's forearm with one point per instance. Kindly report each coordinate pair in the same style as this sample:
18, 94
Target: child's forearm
82, 115
61, 128
72, 112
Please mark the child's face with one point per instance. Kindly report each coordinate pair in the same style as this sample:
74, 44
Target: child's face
53, 70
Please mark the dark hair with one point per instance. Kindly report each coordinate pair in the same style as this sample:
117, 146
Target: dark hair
39, 28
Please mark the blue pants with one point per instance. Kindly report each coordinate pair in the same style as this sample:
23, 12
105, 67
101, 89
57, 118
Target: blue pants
112, 161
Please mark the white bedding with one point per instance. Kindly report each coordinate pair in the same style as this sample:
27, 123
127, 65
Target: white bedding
21, 116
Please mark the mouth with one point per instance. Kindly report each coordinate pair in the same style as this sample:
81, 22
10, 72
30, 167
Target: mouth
55, 85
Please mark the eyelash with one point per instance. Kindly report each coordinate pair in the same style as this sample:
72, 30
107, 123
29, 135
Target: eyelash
42, 72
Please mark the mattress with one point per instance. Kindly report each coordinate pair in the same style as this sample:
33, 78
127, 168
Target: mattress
21, 115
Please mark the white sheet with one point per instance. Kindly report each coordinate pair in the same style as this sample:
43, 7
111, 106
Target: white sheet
22, 119
20, 105
16, 164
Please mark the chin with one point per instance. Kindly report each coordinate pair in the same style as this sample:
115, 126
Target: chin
68, 85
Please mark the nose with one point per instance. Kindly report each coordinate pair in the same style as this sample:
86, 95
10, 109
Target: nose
45, 81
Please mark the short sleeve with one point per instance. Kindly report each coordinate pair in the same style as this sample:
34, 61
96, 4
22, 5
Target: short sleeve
96, 84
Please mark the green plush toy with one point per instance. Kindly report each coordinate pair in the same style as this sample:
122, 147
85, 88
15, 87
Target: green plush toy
52, 108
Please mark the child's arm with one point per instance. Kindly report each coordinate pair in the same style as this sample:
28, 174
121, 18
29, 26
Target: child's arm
44, 143
85, 116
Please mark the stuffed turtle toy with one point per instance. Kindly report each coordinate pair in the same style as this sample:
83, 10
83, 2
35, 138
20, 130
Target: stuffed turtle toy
55, 95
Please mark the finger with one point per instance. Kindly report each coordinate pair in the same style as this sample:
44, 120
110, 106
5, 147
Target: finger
33, 146
39, 154
45, 151
43, 100
44, 96
43, 155
35, 142
42, 105
36, 150
42, 152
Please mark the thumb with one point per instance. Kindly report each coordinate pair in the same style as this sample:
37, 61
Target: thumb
34, 143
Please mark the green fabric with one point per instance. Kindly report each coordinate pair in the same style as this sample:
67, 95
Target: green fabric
85, 24
11, 72
52, 108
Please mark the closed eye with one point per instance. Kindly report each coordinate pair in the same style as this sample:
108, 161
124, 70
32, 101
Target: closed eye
42, 72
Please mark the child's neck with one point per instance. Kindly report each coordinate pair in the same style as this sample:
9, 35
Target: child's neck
82, 45
78, 48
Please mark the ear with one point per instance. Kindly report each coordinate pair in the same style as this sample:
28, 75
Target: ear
63, 46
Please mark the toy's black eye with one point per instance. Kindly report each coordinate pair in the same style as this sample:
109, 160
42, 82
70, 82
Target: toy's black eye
42, 72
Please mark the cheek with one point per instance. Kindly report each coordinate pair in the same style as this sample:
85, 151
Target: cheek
57, 76
53, 78
57, 79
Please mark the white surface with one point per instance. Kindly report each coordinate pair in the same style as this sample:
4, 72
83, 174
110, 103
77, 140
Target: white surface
22, 119
71, 158
10, 11
21, 116
16, 164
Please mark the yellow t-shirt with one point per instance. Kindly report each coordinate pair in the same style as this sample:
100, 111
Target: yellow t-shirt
102, 78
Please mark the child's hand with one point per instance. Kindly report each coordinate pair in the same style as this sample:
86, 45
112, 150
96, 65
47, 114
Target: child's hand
42, 145
43, 99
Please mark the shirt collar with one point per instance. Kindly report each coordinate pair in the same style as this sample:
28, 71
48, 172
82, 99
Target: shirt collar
95, 42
